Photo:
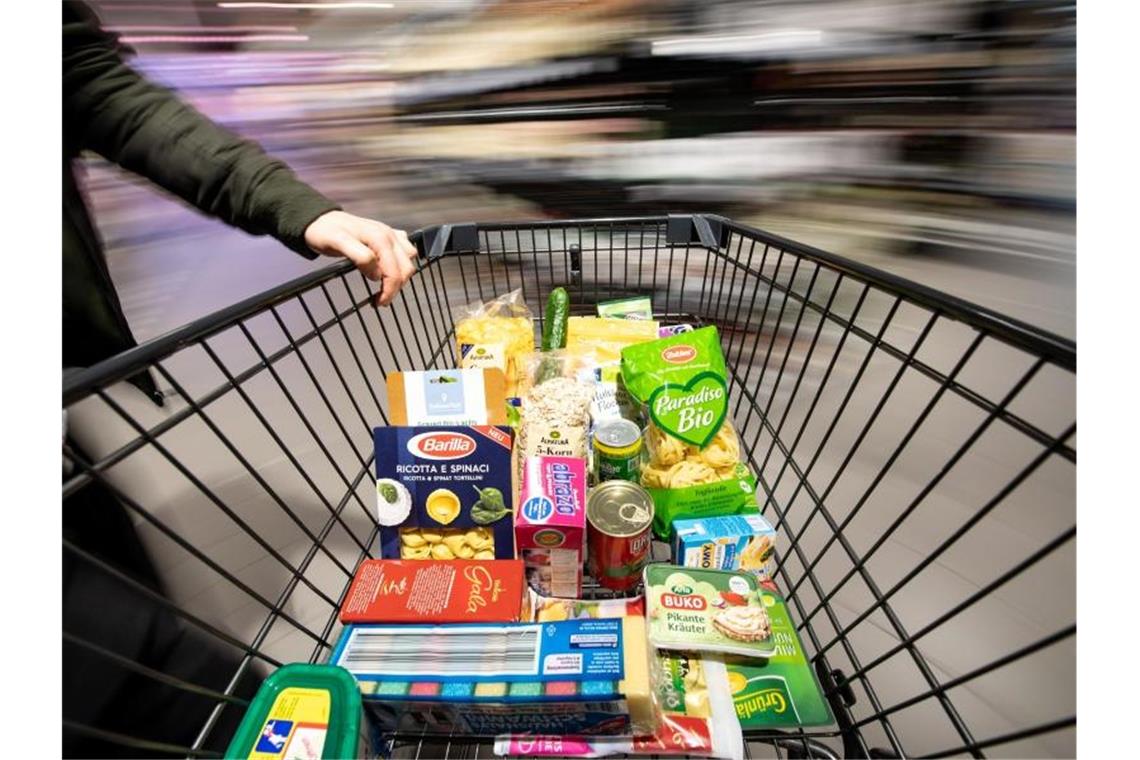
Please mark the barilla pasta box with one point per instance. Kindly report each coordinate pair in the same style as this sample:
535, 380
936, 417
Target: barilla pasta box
730, 542
550, 527
444, 492
436, 591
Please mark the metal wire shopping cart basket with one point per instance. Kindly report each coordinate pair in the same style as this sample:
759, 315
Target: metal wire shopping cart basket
917, 454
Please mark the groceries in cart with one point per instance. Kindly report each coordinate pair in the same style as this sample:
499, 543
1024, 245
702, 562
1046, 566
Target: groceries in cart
668, 331
617, 450
548, 608
444, 492
447, 397
618, 519
780, 691
695, 713
497, 334
477, 618
638, 307
690, 609
692, 465
554, 417
436, 591
597, 343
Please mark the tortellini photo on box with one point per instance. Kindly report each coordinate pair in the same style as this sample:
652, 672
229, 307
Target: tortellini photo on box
448, 543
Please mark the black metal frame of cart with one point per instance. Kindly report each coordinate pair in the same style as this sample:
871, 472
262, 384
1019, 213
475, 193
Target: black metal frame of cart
831, 363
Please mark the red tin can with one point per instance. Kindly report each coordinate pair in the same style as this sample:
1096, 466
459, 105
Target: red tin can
619, 514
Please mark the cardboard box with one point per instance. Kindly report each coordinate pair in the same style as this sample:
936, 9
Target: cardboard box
567, 677
448, 397
730, 542
436, 485
550, 526
436, 591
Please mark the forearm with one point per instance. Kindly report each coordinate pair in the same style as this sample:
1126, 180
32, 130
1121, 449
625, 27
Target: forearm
148, 129
221, 174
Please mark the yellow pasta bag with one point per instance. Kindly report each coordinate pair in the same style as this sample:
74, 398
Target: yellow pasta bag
691, 462
496, 334
672, 463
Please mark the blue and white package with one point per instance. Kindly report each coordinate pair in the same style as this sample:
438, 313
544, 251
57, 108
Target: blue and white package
730, 542
447, 397
581, 676
582, 650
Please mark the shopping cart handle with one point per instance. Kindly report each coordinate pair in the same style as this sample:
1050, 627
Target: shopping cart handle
433, 242
687, 229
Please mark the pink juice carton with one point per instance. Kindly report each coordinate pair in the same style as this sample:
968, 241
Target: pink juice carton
550, 527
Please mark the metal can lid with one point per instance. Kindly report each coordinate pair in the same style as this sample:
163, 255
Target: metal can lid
617, 433
619, 508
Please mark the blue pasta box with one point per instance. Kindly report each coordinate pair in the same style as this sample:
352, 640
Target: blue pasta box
444, 492
583, 676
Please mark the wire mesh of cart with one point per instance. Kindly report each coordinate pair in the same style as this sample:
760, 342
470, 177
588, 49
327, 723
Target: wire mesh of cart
916, 453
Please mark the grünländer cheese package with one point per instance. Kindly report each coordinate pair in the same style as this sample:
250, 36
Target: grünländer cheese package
780, 691
436, 591
574, 677
444, 492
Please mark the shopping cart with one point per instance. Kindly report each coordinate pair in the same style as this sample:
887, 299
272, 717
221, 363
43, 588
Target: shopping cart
917, 454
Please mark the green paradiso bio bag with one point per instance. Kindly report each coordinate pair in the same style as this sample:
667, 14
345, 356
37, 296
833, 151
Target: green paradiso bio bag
681, 382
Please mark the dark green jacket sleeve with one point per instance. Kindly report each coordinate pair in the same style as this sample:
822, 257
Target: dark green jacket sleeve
110, 108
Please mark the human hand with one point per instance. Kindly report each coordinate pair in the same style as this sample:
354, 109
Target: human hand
380, 253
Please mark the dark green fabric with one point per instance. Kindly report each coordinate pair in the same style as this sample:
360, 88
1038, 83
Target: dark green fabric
111, 109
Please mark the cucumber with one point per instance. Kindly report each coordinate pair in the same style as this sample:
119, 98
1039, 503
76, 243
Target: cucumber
557, 316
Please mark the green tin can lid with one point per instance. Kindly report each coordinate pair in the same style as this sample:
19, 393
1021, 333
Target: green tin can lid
310, 705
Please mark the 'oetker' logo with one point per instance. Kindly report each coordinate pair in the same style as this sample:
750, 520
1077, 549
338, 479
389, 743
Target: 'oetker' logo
679, 354
441, 445
677, 602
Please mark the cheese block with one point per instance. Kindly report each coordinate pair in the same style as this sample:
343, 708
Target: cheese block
636, 687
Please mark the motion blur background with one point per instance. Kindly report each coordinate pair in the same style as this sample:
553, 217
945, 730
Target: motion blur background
931, 138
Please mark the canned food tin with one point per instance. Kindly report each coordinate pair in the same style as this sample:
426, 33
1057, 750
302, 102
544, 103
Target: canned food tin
618, 517
617, 450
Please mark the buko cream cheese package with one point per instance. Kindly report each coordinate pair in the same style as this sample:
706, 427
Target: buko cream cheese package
444, 492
